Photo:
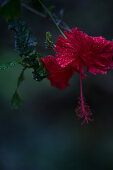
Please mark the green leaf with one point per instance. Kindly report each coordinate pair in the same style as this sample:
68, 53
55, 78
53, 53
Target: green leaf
40, 73
10, 9
24, 40
16, 101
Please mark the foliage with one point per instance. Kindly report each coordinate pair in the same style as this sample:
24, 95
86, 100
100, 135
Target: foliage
25, 42
16, 101
10, 9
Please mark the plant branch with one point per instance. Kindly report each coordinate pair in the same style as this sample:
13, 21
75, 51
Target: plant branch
52, 18
63, 25
33, 10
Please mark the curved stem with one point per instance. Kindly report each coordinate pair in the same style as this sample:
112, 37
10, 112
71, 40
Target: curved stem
49, 13
81, 94
33, 10
63, 25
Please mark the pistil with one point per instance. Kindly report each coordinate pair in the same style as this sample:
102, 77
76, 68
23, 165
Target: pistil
83, 110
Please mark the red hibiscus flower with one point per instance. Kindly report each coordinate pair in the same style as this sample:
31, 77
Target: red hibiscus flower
74, 53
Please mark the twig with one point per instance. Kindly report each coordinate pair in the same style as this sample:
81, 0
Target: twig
63, 25
33, 10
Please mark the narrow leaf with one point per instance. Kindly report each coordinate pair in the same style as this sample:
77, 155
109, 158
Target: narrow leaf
16, 101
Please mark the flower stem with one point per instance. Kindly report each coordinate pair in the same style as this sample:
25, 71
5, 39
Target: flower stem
49, 13
81, 95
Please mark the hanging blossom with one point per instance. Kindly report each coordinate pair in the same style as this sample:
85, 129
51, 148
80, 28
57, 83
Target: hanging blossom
73, 53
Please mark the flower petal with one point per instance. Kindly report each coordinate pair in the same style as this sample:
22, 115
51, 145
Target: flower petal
100, 56
68, 50
59, 77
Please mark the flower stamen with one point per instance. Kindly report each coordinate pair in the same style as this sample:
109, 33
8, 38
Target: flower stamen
83, 110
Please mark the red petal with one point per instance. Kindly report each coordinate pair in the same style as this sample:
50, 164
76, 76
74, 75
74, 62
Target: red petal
71, 48
59, 77
100, 58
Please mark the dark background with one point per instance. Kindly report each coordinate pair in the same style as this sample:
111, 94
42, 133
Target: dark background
45, 134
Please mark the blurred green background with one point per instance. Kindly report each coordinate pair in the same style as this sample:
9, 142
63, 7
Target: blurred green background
45, 134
